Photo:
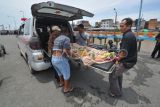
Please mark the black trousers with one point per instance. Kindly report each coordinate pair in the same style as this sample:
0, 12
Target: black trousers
116, 79
155, 50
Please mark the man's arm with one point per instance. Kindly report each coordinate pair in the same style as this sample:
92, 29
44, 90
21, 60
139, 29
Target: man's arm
88, 39
50, 42
125, 46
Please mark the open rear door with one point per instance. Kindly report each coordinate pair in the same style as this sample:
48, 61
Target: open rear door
52, 9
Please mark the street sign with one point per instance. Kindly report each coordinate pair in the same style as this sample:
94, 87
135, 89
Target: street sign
23, 19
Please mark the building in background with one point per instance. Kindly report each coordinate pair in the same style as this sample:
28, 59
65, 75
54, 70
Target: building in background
152, 24
146, 25
85, 23
142, 24
107, 24
97, 24
1, 27
158, 25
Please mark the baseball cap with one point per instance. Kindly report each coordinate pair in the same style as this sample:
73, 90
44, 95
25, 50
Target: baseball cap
56, 28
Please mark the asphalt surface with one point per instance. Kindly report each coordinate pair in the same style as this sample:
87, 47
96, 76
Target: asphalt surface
19, 88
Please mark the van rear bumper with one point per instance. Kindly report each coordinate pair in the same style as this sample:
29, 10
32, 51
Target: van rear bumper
39, 66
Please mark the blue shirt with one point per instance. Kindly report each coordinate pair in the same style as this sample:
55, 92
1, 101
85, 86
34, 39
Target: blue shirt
61, 42
82, 38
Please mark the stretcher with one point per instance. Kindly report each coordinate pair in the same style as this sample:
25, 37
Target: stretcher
107, 67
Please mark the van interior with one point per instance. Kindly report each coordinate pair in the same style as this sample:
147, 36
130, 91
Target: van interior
43, 28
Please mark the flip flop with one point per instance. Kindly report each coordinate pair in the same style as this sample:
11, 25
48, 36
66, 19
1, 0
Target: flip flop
70, 90
61, 85
113, 95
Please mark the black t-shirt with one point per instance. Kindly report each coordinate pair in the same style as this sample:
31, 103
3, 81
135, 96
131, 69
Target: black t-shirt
158, 38
129, 43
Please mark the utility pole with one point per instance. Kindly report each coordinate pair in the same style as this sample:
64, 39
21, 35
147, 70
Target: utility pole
115, 23
115, 27
9, 27
138, 25
139, 18
22, 13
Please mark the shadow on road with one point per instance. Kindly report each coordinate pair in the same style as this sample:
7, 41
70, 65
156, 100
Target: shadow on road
91, 89
3, 79
45, 76
4, 56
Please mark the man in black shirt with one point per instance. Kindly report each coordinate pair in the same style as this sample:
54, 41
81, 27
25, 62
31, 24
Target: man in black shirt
2, 48
157, 47
129, 44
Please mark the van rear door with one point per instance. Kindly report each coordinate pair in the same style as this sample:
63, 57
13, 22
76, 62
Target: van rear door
52, 9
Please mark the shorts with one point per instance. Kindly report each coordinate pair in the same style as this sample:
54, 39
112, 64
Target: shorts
62, 67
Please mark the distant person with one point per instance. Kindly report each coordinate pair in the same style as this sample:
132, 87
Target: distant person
3, 49
111, 47
82, 38
129, 44
157, 47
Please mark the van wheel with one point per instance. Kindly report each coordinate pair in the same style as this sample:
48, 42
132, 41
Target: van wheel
30, 68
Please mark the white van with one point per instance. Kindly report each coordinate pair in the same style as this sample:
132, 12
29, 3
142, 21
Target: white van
34, 33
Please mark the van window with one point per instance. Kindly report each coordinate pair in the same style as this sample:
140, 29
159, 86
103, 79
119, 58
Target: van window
27, 27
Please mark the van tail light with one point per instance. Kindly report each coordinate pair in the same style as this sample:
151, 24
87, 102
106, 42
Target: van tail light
35, 45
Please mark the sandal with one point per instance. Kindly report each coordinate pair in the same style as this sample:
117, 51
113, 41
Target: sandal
113, 95
69, 90
61, 85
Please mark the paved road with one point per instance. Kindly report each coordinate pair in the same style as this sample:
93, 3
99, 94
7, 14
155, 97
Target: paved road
19, 88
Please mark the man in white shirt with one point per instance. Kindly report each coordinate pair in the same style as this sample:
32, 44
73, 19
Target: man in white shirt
82, 38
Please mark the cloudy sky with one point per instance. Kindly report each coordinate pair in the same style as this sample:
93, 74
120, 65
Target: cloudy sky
102, 9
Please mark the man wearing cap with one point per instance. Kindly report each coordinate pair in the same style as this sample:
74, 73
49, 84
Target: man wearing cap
129, 44
55, 31
61, 50
82, 38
